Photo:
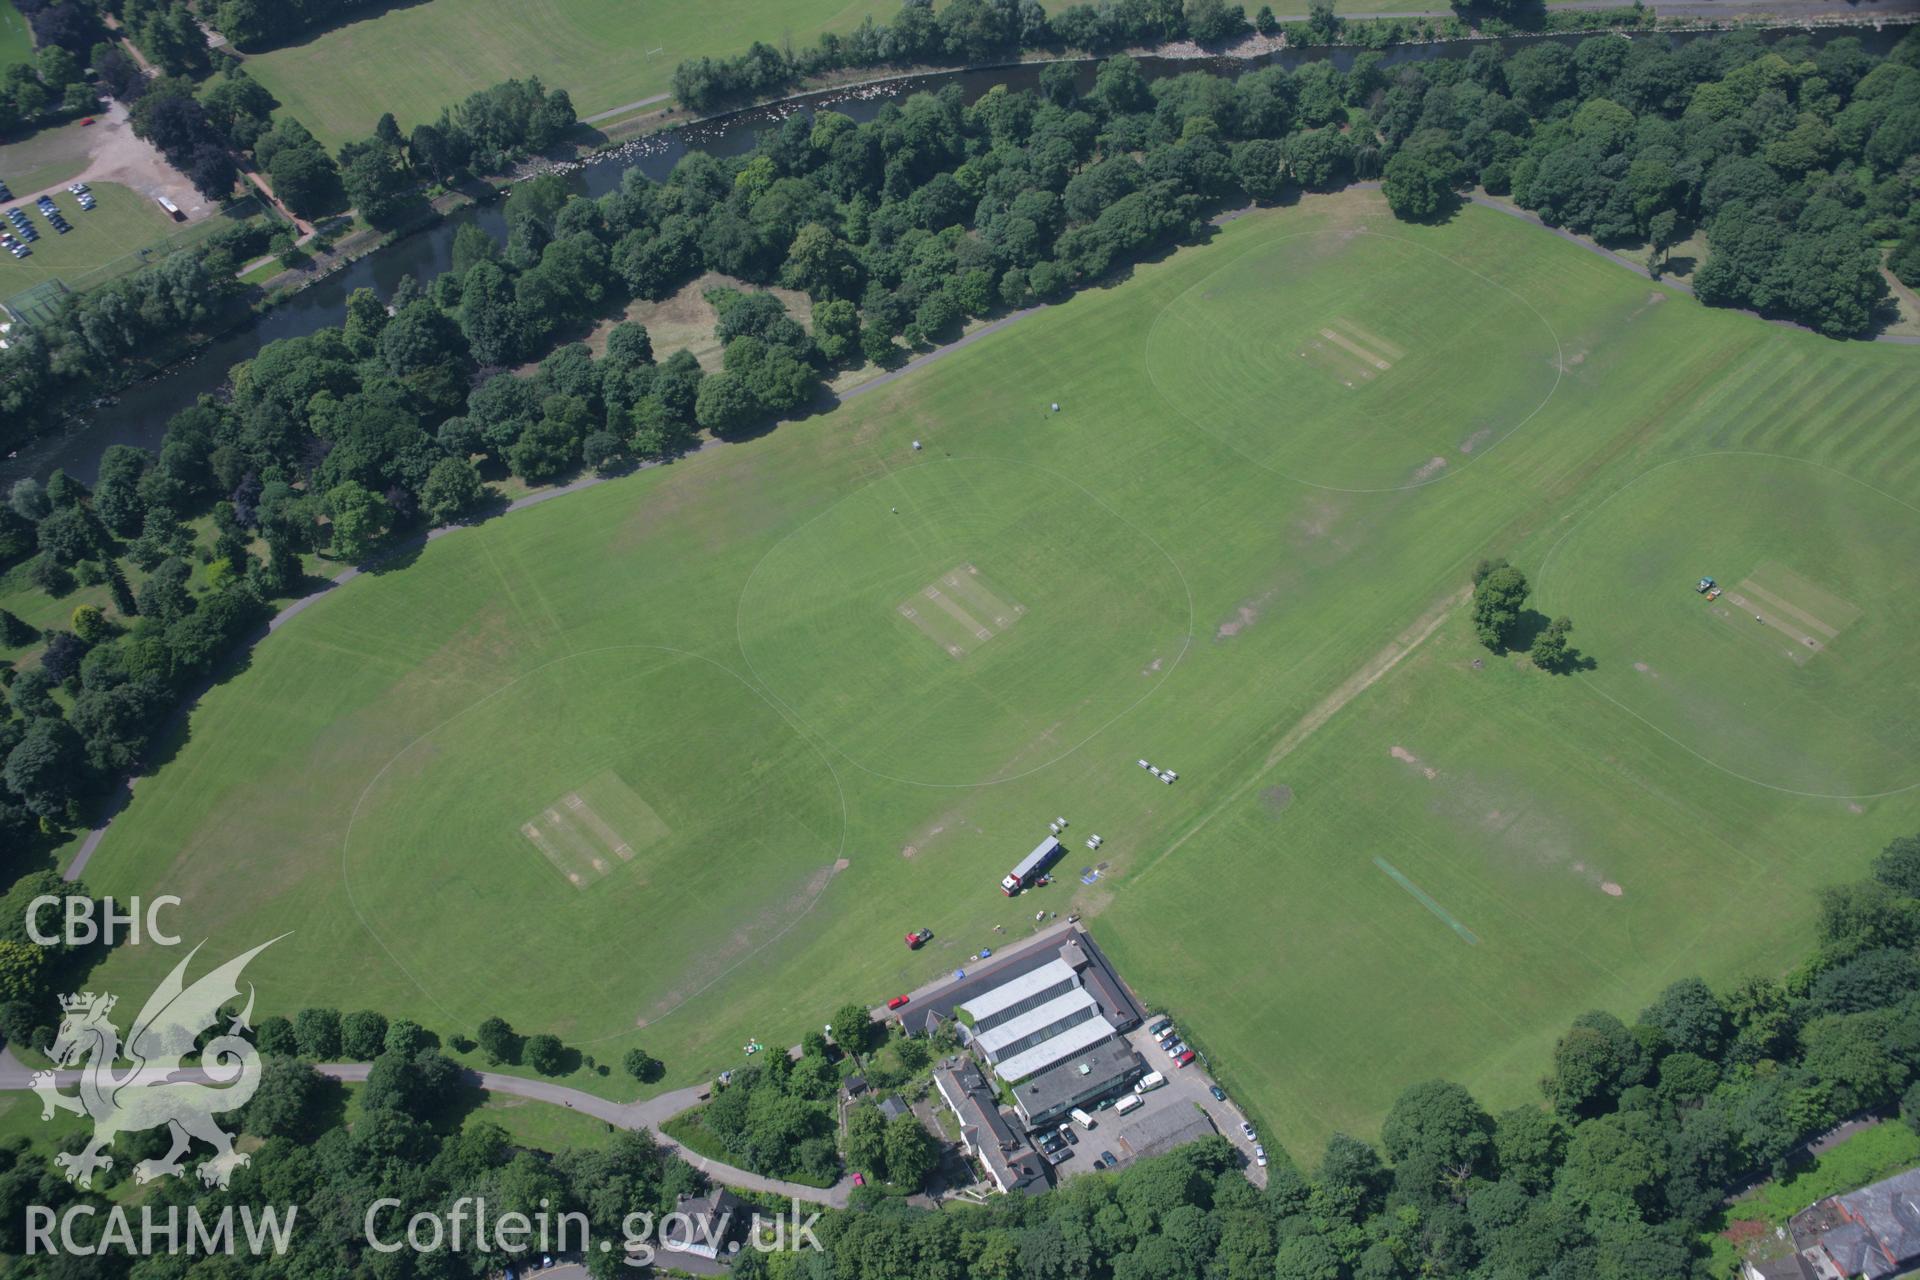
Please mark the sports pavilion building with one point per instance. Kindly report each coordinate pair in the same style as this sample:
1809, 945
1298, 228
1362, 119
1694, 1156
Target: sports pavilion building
1049, 1026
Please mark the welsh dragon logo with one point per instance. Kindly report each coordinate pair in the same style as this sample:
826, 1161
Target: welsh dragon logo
158, 1089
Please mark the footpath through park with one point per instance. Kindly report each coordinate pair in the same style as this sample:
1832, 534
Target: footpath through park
650, 1114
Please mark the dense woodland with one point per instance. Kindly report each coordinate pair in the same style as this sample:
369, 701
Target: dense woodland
1795, 160
1629, 142
208, 125
405, 1135
53, 85
1643, 1130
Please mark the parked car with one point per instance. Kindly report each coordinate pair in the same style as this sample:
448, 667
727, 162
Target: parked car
1219, 1094
1177, 1048
1186, 1057
898, 1002
1066, 1131
1160, 1028
1260, 1156
859, 1179
1246, 1127
1110, 1158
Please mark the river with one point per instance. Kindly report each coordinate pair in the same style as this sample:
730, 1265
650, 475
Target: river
140, 415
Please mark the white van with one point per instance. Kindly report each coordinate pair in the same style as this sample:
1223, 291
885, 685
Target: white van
1081, 1118
1127, 1104
1149, 1082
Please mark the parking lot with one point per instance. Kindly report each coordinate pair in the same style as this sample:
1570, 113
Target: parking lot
1186, 1087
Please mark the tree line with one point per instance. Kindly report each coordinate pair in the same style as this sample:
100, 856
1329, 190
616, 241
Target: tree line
190, 116
1641, 1132
776, 1117
97, 336
198, 125
897, 230
254, 25
1792, 157
54, 84
974, 32
411, 1138
1644, 1128
1794, 163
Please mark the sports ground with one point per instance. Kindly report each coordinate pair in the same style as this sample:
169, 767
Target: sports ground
114, 230
676, 760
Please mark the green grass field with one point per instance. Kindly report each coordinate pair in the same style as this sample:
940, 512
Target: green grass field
1791, 677
416, 59
16, 41
1390, 855
45, 157
103, 244
541, 1125
990, 580
1368, 366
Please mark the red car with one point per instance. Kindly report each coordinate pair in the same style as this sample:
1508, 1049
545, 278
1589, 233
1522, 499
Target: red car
917, 938
84, 123
898, 1001
1184, 1058
859, 1179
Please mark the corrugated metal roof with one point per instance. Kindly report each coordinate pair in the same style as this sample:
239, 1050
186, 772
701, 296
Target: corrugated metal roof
1890, 1210
1084, 1035
1011, 992
1035, 1020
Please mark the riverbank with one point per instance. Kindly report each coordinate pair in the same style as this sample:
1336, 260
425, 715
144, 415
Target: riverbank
135, 409
1372, 32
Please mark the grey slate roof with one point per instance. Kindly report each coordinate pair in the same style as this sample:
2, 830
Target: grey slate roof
1015, 1165
1873, 1232
1890, 1213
